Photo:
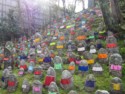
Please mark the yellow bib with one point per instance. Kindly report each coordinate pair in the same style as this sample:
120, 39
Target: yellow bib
37, 40
59, 47
116, 86
91, 61
14, 55
40, 60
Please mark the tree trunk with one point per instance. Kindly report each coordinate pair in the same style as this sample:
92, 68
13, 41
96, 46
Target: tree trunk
83, 5
116, 13
75, 6
106, 13
58, 7
64, 8
91, 3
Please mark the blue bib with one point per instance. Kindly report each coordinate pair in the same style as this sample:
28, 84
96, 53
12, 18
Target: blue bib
30, 68
90, 83
83, 68
47, 59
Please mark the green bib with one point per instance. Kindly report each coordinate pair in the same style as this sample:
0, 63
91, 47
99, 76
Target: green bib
101, 32
70, 26
52, 43
91, 37
52, 93
48, 33
58, 66
26, 52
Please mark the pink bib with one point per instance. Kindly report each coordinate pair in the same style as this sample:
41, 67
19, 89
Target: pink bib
37, 89
77, 62
20, 73
115, 67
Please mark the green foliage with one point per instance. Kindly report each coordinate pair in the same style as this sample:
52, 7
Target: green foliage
123, 70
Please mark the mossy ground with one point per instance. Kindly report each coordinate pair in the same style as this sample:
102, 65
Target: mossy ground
102, 82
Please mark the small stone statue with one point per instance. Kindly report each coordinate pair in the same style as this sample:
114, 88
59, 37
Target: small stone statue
37, 87
102, 92
116, 86
71, 67
53, 88
90, 83
25, 86
66, 80
50, 77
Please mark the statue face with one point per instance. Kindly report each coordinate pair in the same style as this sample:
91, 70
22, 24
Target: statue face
12, 78
72, 64
116, 59
90, 77
72, 92
102, 50
66, 74
51, 71
83, 63
53, 87
102, 92
116, 80
89, 56
58, 59
22, 62
92, 47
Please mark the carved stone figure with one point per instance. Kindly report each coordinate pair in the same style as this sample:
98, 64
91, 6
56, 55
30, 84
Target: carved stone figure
66, 80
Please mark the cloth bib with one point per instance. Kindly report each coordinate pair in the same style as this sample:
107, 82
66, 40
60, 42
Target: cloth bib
97, 69
92, 51
81, 49
36, 89
116, 86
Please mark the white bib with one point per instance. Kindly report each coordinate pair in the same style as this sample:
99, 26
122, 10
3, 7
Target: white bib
54, 38
61, 27
23, 86
81, 49
97, 69
92, 51
39, 52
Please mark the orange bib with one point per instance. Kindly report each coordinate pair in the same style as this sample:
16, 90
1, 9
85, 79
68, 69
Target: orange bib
62, 38
81, 37
52, 55
102, 56
71, 67
56, 34
2, 55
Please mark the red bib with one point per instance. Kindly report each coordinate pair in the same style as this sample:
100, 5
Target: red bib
72, 59
23, 66
37, 72
111, 45
49, 79
31, 60
5, 59
11, 83
65, 81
